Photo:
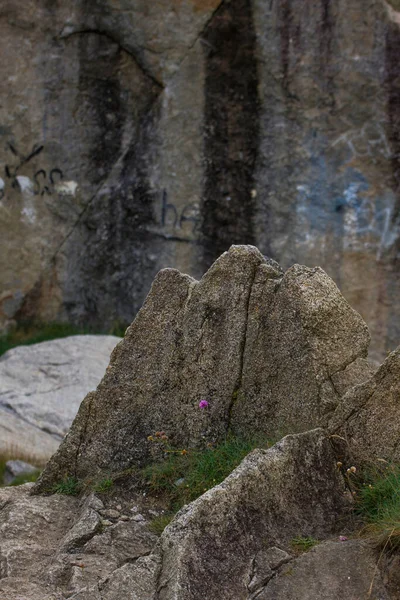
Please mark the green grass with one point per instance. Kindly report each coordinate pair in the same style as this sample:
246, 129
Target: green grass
33, 333
302, 544
14, 453
104, 486
378, 504
68, 486
158, 524
179, 479
26, 478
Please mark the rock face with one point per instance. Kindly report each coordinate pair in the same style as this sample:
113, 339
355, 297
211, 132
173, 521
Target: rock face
260, 346
369, 415
41, 387
159, 133
76, 552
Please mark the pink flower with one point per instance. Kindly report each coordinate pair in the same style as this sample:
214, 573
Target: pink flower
343, 538
203, 404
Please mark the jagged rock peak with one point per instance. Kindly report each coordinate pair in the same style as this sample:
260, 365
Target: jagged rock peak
269, 352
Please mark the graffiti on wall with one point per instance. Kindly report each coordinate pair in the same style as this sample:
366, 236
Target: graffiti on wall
40, 183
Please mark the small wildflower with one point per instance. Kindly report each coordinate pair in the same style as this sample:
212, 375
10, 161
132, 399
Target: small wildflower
184, 452
353, 469
164, 437
339, 464
370, 487
203, 404
158, 434
343, 538
150, 438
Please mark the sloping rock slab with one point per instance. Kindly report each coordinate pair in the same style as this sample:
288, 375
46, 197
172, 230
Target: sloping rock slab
327, 572
290, 490
42, 386
260, 346
368, 417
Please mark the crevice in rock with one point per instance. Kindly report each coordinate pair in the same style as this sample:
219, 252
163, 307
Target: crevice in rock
83, 435
238, 384
139, 63
203, 31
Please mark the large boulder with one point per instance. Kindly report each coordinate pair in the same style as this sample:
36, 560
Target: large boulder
368, 417
259, 346
41, 387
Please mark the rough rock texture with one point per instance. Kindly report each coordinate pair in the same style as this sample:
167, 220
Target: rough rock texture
138, 135
41, 387
259, 346
368, 416
329, 571
53, 547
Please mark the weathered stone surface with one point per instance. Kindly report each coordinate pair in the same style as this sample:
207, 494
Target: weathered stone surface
41, 387
31, 530
331, 570
159, 133
300, 333
261, 347
53, 545
15, 588
369, 415
274, 495
14, 468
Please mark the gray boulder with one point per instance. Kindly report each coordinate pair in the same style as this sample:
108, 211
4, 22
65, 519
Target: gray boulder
41, 387
368, 417
259, 346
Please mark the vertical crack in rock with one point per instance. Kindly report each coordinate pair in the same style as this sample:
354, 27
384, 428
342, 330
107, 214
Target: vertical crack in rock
82, 436
231, 129
238, 385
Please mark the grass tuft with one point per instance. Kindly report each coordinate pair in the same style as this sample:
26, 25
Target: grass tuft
104, 486
183, 477
378, 504
68, 486
302, 544
158, 524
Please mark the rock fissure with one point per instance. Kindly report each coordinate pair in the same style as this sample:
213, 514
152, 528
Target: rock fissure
238, 385
139, 63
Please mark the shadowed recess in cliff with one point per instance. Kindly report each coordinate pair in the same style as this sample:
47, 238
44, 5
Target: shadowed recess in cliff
231, 132
392, 66
101, 108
